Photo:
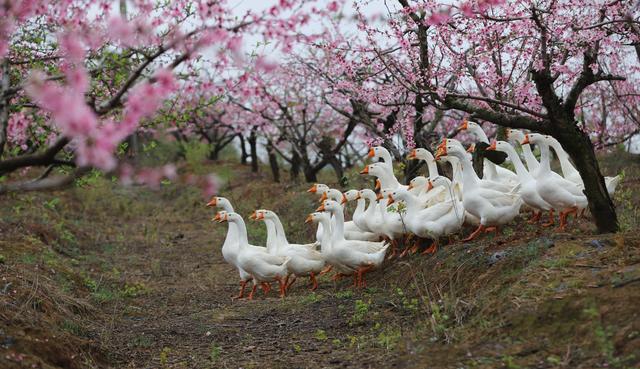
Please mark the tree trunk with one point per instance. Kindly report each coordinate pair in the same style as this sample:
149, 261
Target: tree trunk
295, 166
243, 150
310, 174
4, 104
273, 162
580, 149
253, 144
337, 168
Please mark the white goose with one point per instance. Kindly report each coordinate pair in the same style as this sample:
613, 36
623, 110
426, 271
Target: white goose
493, 208
439, 220
513, 136
262, 266
564, 195
490, 170
383, 173
230, 247
571, 173
326, 249
528, 183
351, 230
305, 260
362, 256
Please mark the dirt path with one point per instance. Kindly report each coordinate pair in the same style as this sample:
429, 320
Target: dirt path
186, 318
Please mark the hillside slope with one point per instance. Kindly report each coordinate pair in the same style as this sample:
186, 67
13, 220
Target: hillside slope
105, 276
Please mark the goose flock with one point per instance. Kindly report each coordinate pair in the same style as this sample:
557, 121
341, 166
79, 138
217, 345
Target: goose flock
428, 208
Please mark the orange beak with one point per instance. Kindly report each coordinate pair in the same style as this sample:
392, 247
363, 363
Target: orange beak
442, 144
213, 202
313, 189
493, 146
429, 186
464, 125
323, 197
253, 215
413, 154
410, 186
309, 219
344, 199
365, 170
471, 148
442, 151
358, 197
378, 184
217, 218
372, 153
391, 200
320, 208
379, 196
526, 140
260, 216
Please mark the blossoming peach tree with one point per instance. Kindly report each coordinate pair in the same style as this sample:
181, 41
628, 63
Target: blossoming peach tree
78, 78
565, 68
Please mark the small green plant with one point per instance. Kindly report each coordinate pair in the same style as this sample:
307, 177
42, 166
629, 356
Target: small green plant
310, 298
321, 335
388, 338
2, 259
215, 352
51, 204
347, 294
91, 284
360, 312
408, 304
296, 347
164, 356
134, 290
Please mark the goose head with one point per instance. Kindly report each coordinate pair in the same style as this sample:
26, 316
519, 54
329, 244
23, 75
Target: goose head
503, 146
368, 194
514, 135
219, 202
350, 195
317, 217
417, 182
318, 188
220, 217
329, 206
534, 138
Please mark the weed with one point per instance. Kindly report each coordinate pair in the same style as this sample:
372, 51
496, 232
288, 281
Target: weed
51, 204
310, 298
408, 304
360, 313
215, 352
296, 347
134, 290
29, 258
72, 327
2, 259
321, 335
142, 341
509, 363
164, 356
347, 294
388, 338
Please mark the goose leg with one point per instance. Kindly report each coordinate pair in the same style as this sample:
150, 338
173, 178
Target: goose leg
243, 284
312, 277
474, 234
326, 270
551, 219
290, 283
394, 249
253, 290
415, 247
432, 249
266, 287
404, 252
536, 217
